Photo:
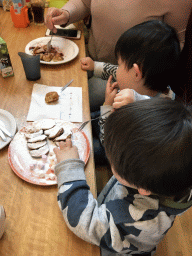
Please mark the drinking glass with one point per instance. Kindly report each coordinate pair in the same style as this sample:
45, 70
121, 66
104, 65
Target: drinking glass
38, 7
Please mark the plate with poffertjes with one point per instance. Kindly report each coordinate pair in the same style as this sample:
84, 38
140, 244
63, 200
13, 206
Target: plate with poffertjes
31, 155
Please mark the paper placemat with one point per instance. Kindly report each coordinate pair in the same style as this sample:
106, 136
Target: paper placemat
67, 108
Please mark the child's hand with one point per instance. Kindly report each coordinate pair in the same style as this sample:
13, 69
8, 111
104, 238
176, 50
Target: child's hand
124, 97
110, 92
66, 151
87, 64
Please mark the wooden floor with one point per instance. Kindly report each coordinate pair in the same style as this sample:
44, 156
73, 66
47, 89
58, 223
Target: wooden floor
178, 240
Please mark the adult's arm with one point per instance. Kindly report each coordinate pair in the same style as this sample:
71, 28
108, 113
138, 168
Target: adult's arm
77, 9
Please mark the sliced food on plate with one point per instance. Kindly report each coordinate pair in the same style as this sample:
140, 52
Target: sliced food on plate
31, 153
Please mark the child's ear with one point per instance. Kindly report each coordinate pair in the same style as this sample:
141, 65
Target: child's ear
144, 192
138, 73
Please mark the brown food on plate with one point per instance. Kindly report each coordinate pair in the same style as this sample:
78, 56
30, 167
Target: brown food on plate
52, 55
58, 57
51, 97
63, 137
55, 133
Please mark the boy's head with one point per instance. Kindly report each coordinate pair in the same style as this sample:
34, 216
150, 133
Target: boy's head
149, 145
154, 48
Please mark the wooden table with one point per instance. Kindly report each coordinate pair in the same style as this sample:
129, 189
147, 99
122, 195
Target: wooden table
34, 224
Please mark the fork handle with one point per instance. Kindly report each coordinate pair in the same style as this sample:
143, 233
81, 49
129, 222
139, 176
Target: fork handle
100, 115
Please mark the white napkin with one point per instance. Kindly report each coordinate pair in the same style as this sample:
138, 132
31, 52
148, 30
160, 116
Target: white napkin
67, 108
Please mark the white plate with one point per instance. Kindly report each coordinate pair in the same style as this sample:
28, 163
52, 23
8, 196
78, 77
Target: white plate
10, 125
69, 49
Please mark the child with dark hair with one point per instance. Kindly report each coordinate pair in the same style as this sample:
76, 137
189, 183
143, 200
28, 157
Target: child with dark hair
148, 53
149, 146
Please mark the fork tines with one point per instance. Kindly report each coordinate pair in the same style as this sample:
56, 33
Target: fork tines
83, 125
86, 122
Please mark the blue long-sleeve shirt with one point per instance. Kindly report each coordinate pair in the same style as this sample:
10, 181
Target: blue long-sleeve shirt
120, 220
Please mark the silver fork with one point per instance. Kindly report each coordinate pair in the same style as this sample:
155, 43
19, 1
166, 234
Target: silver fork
49, 44
86, 122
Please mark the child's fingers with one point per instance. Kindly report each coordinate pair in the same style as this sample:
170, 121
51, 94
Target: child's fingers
83, 64
83, 60
108, 85
118, 101
110, 79
62, 144
118, 98
69, 143
114, 85
55, 150
117, 105
114, 92
84, 67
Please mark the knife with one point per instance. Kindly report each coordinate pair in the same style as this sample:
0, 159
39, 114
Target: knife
2, 136
3, 129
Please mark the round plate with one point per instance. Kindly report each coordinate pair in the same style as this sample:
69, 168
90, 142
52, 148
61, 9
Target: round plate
10, 125
20, 158
69, 49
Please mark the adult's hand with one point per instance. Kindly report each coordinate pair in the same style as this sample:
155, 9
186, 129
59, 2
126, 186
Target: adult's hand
56, 17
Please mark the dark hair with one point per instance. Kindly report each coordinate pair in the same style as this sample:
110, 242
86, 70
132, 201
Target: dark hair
154, 47
149, 144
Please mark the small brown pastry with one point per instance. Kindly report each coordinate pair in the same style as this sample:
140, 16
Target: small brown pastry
51, 97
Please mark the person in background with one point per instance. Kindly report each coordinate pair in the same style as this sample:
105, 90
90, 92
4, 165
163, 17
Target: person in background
147, 55
110, 19
182, 79
149, 147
